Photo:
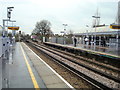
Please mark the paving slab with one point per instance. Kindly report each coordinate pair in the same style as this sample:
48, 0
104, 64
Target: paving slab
46, 73
19, 76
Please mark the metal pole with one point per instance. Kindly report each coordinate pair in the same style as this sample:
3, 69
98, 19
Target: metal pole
95, 32
3, 27
96, 17
64, 31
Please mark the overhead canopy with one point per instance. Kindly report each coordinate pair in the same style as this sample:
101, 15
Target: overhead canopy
115, 26
13, 28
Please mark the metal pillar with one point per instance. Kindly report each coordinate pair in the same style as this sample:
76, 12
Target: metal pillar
4, 26
99, 41
65, 32
87, 43
83, 40
104, 41
91, 40
117, 41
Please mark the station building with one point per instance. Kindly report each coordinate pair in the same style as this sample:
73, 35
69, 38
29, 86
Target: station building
101, 36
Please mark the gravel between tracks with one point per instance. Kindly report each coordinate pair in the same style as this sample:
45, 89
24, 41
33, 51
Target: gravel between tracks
92, 65
73, 79
108, 82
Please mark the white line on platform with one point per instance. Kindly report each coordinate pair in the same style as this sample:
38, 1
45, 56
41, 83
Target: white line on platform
51, 69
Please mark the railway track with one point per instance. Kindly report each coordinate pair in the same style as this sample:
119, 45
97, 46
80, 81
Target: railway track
107, 69
84, 71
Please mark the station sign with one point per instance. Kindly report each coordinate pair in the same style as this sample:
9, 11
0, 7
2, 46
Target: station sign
13, 28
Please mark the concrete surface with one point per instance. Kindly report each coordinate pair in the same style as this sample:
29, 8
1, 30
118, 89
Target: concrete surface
16, 72
47, 74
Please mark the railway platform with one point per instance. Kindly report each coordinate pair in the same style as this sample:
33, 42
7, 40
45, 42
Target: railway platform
96, 50
25, 69
108, 50
101, 56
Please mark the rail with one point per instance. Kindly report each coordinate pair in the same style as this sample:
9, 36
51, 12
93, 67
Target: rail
58, 57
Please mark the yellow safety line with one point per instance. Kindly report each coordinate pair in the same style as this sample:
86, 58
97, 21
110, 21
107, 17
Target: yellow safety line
91, 50
30, 71
97, 52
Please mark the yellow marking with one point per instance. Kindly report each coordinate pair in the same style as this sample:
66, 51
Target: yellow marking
86, 50
101, 53
36, 86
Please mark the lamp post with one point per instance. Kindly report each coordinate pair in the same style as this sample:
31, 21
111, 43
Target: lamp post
87, 36
96, 17
65, 28
87, 30
64, 31
9, 9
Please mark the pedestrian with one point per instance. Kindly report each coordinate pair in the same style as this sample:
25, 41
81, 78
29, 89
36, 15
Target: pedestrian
75, 42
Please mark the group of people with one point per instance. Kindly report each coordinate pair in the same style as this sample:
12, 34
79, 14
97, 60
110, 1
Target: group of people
103, 42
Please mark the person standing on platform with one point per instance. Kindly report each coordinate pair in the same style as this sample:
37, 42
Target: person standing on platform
104, 43
75, 42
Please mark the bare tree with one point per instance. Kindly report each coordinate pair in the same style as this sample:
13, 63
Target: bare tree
35, 31
43, 28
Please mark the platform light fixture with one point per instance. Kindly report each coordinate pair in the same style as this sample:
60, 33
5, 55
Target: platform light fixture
9, 9
95, 16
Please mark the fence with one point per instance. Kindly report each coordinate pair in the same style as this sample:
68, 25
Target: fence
61, 40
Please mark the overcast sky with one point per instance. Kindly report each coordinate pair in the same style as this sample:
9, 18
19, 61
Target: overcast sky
76, 13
